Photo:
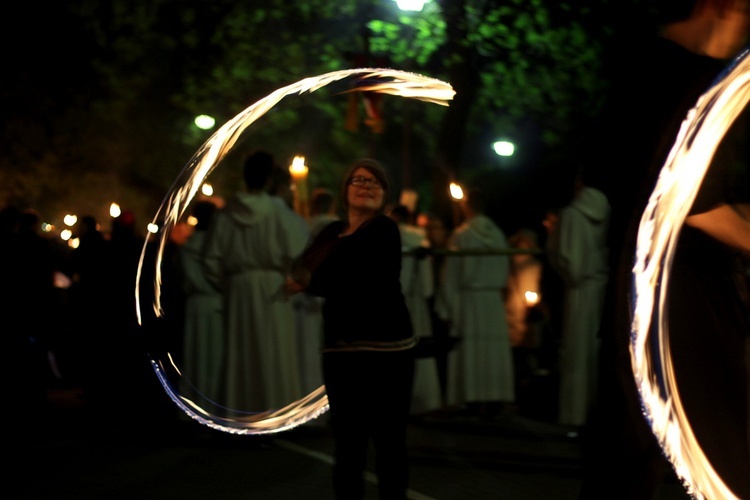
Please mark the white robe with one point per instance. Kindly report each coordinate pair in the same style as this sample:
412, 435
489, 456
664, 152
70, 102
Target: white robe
417, 287
577, 250
203, 334
250, 245
308, 318
480, 367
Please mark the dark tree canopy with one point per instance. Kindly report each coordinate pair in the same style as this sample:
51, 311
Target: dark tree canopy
102, 95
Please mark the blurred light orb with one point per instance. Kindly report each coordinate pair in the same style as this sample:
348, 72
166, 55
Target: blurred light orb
504, 148
114, 210
205, 122
457, 192
152, 228
70, 220
207, 189
411, 5
65, 234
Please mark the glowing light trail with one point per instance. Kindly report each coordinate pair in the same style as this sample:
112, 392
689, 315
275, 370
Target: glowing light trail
675, 191
189, 182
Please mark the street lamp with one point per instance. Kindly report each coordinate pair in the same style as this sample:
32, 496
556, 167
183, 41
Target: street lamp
411, 5
504, 148
204, 122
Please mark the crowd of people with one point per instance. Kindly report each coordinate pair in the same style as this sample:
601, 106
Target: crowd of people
245, 343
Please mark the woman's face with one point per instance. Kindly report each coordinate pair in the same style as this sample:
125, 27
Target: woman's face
364, 192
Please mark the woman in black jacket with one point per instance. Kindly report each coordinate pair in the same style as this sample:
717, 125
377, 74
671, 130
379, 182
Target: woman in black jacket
368, 361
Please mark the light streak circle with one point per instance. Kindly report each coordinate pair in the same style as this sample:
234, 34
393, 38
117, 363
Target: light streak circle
176, 202
677, 186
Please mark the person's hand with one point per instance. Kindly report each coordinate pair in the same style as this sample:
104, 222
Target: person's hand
288, 288
291, 287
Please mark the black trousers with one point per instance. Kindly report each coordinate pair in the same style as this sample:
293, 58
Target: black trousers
369, 393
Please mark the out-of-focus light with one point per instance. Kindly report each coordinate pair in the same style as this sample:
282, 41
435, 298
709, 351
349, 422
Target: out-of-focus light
204, 122
47, 227
411, 5
114, 210
192, 220
207, 189
298, 169
70, 220
504, 148
60, 280
74, 242
532, 298
65, 234
152, 228
457, 192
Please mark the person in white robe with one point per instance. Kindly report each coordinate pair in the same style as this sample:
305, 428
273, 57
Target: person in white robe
307, 308
480, 367
203, 331
417, 285
577, 250
248, 253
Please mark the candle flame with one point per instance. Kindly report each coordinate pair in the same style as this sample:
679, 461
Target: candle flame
298, 167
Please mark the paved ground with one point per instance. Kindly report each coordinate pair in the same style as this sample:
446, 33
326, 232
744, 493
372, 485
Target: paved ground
79, 450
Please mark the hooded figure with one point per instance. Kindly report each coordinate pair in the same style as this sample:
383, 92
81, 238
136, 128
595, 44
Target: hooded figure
247, 254
577, 251
480, 368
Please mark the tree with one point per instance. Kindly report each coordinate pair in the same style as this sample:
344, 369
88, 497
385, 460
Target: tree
116, 96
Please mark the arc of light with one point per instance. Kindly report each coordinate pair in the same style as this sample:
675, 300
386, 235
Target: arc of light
187, 185
676, 188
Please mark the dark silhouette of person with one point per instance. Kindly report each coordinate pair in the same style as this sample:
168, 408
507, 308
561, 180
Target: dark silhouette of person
675, 64
32, 261
90, 301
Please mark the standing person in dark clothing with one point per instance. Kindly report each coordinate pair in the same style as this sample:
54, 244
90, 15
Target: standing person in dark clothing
368, 363
707, 324
29, 276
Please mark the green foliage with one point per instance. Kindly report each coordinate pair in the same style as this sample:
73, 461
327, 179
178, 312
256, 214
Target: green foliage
146, 69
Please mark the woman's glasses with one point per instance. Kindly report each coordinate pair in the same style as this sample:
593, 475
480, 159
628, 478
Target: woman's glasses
361, 181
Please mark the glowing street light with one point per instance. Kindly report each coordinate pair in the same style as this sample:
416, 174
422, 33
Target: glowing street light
411, 5
204, 122
504, 148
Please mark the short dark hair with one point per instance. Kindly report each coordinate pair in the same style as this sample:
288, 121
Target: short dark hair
203, 211
372, 166
322, 201
257, 169
401, 212
281, 179
476, 200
